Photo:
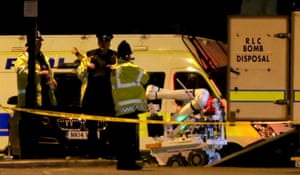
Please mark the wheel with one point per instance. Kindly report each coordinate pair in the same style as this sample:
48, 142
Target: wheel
176, 161
149, 161
197, 158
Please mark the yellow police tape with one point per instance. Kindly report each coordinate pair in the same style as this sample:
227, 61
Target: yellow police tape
127, 120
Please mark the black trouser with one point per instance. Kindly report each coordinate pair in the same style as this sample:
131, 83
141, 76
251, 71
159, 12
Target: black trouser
97, 101
28, 135
125, 140
98, 145
93, 144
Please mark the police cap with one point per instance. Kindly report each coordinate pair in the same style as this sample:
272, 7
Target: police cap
104, 36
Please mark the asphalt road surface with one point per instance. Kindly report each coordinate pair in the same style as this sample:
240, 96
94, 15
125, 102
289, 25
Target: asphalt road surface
111, 170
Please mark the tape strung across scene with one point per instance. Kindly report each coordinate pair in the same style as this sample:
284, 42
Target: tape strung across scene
59, 114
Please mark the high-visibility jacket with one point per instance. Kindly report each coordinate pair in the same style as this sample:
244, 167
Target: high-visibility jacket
82, 74
21, 67
128, 91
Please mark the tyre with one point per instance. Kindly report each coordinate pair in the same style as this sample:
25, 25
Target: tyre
176, 161
149, 160
197, 158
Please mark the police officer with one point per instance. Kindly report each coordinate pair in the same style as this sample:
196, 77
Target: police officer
94, 72
128, 91
44, 76
23, 134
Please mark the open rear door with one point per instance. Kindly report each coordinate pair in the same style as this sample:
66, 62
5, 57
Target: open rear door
258, 68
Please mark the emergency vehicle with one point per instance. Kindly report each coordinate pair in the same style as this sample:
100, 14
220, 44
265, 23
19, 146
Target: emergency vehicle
196, 61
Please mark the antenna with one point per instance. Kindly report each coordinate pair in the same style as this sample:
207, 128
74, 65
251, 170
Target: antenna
186, 90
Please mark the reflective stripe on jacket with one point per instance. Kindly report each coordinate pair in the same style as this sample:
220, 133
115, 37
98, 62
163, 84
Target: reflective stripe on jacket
127, 81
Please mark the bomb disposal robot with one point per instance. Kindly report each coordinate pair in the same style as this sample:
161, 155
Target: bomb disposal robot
188, 143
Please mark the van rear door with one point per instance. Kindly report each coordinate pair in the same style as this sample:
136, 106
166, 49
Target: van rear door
258, 63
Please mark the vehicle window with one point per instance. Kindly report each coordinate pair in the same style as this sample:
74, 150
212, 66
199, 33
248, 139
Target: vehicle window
190, 80
157, 79
68, 92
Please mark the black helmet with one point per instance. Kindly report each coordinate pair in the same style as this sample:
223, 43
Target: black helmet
104, 36
124, 49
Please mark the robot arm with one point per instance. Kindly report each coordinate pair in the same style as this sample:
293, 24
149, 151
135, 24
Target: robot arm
154, 92
198, 100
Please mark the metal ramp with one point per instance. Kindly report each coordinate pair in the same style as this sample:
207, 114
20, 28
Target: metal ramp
274, 152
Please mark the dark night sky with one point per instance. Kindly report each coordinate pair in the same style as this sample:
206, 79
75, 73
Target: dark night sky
204, 18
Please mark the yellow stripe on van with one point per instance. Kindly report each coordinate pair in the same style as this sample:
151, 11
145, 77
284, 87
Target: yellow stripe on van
297, 95
256, 95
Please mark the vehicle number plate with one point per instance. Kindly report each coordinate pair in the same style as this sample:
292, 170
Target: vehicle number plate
77, 135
